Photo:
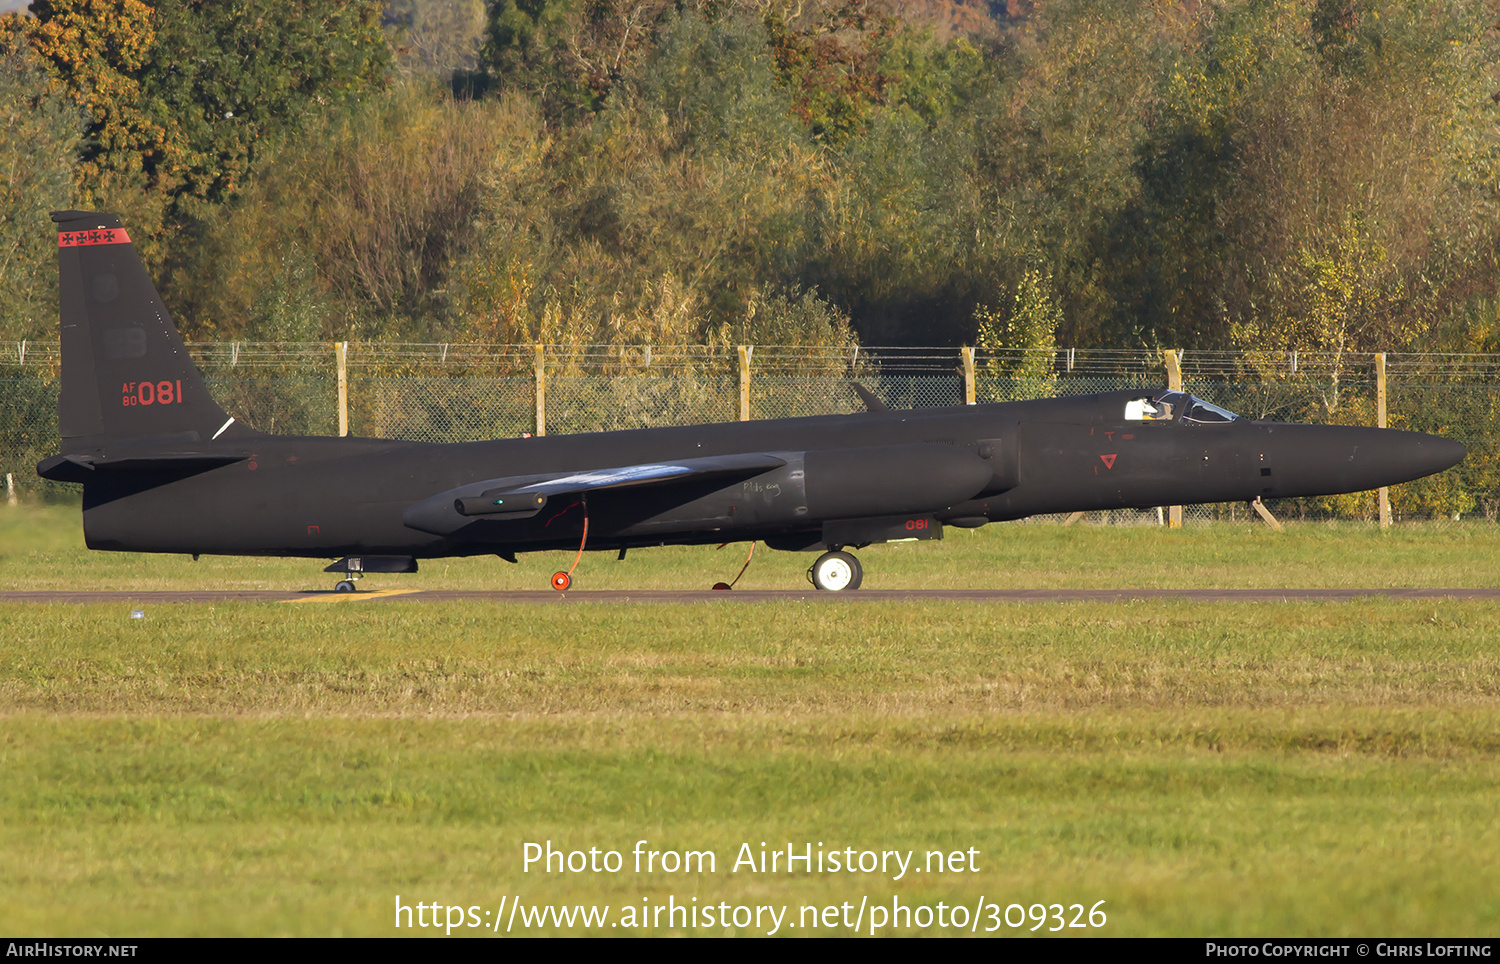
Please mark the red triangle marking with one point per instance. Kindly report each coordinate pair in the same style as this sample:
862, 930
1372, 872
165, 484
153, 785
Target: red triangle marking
1109, 460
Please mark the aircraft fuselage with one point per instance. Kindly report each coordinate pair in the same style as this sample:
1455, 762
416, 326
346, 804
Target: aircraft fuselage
322, 497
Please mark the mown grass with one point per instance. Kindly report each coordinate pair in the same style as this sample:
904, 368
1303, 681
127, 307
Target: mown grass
894, 658
1205, 769
289, 825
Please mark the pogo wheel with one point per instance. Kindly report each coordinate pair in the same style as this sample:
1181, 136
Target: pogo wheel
561, 581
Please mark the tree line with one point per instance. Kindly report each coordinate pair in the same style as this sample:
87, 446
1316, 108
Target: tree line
1318, 175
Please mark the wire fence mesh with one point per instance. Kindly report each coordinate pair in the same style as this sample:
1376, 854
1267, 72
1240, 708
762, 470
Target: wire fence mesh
452, 393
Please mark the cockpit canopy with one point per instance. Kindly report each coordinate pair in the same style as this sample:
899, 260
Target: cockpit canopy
1167, 405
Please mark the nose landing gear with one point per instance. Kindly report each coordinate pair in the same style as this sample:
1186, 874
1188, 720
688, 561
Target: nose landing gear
836, 571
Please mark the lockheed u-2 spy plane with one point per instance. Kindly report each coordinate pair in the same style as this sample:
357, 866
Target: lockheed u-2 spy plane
165, 469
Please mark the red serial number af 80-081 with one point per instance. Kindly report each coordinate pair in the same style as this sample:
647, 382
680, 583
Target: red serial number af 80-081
165, 469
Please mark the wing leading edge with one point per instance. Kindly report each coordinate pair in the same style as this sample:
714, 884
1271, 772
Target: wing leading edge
523, 496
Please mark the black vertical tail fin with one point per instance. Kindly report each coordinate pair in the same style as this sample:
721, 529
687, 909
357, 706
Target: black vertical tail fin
126, 374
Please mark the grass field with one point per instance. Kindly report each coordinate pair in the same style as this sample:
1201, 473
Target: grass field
1203, 769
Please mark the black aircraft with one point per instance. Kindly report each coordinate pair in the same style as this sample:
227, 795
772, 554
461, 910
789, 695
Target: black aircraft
165, 469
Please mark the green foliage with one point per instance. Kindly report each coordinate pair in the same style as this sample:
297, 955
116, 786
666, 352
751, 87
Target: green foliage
779, 317
715, 82
1260, 158
290, 306
1345, 298
932, 79
184, 96
39, 132
526, 48
440, 37
676, 212
1347, 291
1188, 175
225, 80
1023, 343
830, 62
570, 54
380, 198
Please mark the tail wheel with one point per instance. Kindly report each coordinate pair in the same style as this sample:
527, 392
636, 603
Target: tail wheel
343, 585
561, 581
836, 571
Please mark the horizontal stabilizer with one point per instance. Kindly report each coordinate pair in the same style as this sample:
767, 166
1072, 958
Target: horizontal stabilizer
79, 468
523, 496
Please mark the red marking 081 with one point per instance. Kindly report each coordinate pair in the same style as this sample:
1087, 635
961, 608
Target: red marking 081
151, 393
916, 525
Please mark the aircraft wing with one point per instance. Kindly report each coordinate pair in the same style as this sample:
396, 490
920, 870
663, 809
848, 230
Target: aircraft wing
523, 496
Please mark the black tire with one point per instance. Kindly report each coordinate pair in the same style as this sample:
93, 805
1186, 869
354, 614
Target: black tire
344, 585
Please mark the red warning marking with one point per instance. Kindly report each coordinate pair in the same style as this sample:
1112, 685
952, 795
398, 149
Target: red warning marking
81, 239
1109, 460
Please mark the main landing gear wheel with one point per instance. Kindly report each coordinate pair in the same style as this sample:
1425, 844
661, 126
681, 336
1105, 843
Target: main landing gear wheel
836, 571
343, 585
561, 581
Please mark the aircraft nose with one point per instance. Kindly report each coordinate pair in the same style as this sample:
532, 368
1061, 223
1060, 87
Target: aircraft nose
1438, 453
1326, 459
1403, 456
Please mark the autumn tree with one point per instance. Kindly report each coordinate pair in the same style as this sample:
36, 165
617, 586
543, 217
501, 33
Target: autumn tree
183, 96
570, 54
352, 229
831, 60
39, 132
440, 37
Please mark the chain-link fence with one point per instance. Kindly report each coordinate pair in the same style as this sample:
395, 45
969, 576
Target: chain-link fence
450, 393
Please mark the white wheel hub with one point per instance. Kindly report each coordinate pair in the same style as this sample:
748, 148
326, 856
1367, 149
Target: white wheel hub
834, 574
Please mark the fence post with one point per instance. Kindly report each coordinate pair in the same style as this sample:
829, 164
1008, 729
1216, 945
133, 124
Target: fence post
745, 352
541, 390
1383, 496
10, 488
1172, 357
968, 354
341, 355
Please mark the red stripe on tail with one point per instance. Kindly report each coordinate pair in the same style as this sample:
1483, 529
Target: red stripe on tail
79, 239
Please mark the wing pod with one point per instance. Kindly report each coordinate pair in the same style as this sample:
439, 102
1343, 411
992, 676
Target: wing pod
523, 496
496, 504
